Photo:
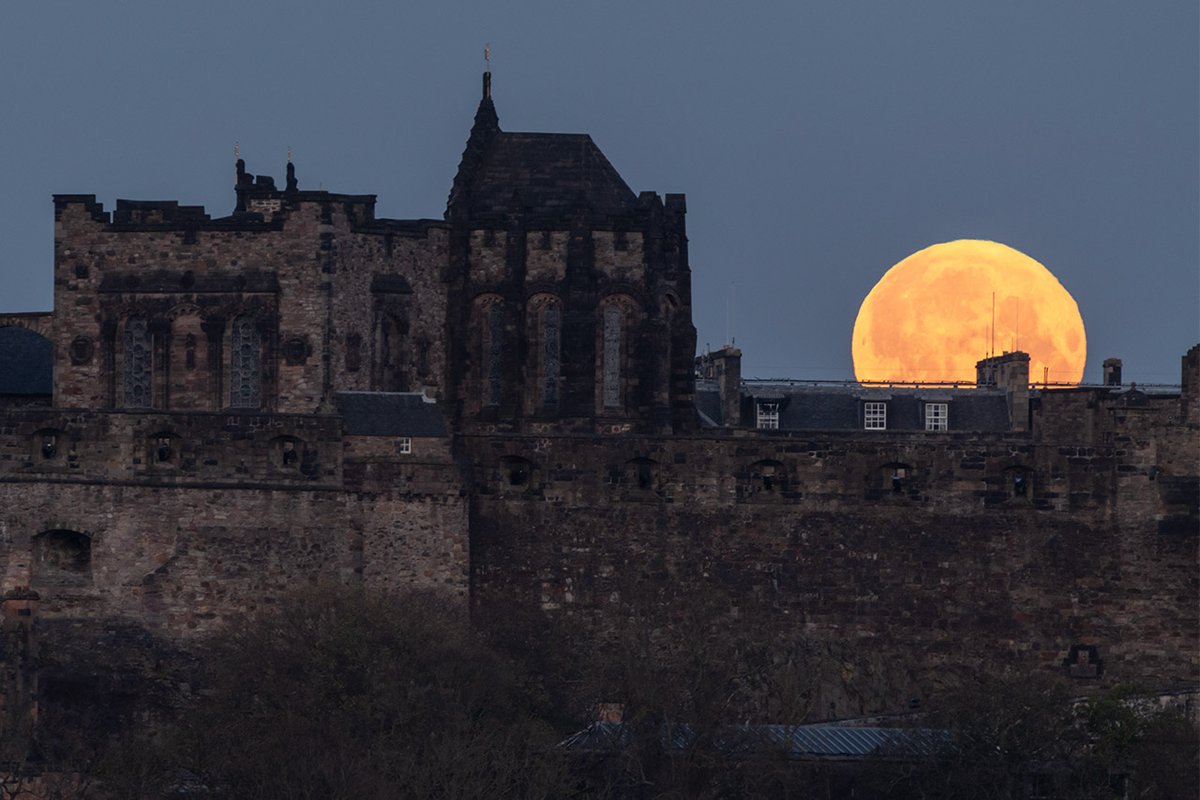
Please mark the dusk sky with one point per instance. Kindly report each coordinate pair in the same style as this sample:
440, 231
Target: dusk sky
818, 143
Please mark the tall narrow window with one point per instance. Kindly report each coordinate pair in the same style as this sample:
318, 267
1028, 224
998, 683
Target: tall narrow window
245, 364
612, 356
138, 362
550, 356
495, 354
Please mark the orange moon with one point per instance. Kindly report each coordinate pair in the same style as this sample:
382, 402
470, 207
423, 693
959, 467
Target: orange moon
929, 319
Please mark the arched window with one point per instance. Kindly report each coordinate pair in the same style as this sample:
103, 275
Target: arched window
551, 365
494, 358
544, 370
138, 355
245, 364
611, 355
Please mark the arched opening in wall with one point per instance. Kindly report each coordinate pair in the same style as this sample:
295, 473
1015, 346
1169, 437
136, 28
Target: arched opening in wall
516, 473
896, 478
1018, 484
48, 447
1083, 661
287, 454
61, 558
163, 449
764, 481
641, 473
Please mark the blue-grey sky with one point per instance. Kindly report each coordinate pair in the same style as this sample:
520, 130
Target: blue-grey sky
818, 142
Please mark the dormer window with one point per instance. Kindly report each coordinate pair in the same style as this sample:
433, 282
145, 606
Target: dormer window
875, 416
937, 416
768, 416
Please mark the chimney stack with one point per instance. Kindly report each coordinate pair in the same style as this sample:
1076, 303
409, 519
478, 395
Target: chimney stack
1112, 372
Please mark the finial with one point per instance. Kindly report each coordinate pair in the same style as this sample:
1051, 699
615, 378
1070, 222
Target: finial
289, 154
487, 71
235, 151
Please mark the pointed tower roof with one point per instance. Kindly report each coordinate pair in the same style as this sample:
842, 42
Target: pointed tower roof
547, 173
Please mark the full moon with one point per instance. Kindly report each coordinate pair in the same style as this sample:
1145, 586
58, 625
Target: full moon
929, 319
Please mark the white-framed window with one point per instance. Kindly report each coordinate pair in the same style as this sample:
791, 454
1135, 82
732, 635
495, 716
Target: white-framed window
937, 416
404, 445
768, 416
875, 416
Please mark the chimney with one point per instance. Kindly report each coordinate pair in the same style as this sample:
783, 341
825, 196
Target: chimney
1112, 372
727, 366
1011, 373
1189, 380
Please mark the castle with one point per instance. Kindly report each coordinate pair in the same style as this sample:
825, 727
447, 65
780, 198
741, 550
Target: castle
505, 405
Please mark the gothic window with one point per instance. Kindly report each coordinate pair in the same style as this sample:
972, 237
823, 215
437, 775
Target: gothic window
612, 356
138, 360
494, 365
245, 364
551, 366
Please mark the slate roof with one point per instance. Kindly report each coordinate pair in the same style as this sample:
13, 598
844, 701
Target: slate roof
840, 408
390, 414
708, 404
26, 363
549, 173
793, 741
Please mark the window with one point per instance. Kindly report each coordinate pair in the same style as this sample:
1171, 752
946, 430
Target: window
550, 357
768, 416
937, 416
875, 416
245, 364
404, 445
137, 363
612, 356
495, 355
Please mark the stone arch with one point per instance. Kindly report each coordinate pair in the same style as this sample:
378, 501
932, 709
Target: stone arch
765, 480
163, 448
287, 453
39, 322
516, 473
61, 557
49, 446
641, 473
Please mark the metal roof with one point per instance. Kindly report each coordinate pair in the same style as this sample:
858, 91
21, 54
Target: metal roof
390, 414
26, 362
794, 741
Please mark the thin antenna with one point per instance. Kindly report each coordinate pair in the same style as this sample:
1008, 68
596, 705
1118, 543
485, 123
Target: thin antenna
487, 57
733, 313
993, 323
289, 154
1017, 332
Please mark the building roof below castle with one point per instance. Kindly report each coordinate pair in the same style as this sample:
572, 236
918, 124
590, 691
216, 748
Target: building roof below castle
390, 414
548, 173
